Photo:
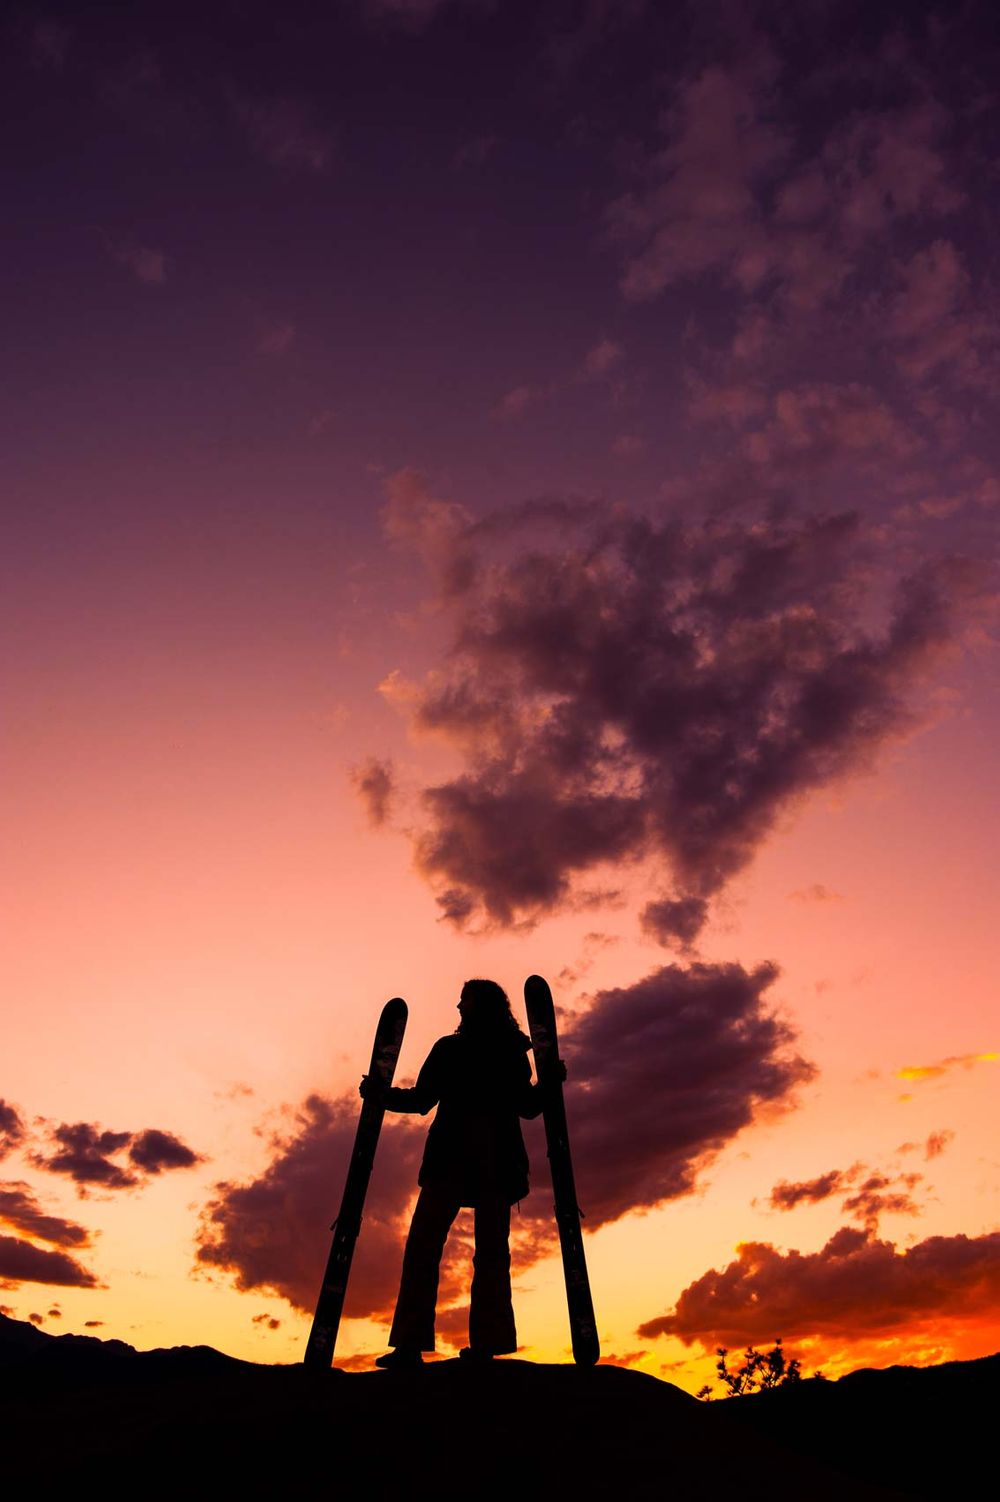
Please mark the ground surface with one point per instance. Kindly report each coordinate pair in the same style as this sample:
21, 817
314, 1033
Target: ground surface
194, 1422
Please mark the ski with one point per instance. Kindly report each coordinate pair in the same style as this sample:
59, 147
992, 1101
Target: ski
545, 1042
330, 1304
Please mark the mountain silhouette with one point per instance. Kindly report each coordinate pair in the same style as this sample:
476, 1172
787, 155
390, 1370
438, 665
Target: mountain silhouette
81, 1409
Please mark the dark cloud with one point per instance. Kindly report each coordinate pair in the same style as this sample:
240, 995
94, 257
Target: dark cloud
856, 1286
646, 690
155, 1152
267, 1321
375, 784
12, 1128
22, 1262
785, 1195
869, 1193
20, 1209
675, 921
880, 1195
92, 1324
273, 1233
663, 1074
85, 1153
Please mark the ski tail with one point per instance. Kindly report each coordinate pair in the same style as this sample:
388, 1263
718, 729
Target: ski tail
545, 1042
347, 1226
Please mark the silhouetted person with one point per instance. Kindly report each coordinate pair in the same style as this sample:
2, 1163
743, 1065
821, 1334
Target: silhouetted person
480, 1080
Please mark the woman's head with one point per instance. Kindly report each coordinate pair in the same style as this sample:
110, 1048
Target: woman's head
485, 1008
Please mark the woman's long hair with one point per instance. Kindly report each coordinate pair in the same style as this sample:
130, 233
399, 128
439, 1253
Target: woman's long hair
488, 1016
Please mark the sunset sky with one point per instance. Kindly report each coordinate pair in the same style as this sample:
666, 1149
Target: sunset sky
493, 488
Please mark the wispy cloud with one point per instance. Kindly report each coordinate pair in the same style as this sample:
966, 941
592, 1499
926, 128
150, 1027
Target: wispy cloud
817, 892
276, 338
284, 133
49, 43
145, 263
936, 1071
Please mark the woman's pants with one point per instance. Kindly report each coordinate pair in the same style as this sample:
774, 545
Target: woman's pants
491, 1316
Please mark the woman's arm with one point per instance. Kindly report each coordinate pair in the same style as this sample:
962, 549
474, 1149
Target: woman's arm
417, 1098
533, 1098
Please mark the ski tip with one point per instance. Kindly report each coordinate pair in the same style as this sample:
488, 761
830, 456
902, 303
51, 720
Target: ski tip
536, 982
397, 1004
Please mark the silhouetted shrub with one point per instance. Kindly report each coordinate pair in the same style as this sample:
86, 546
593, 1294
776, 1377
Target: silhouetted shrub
760, 1370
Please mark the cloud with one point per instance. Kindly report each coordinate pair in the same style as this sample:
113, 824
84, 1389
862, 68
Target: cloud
701, 211
276, 338
602, 359
918, 1072
880, 1194
375, 784
434, 529
266, 1321
272, 1233
869, 1193
155, 1152
735, 403
85, 1153
473, 152
50, 43
21, 1262
146, 264
593, 943
677, 920
282, 132
855, 1287
937, 1143
515, 403
665, 1073
12, 1128
786, 1196
643, 690
20, 1209
815, 893
731, 191
819, 423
